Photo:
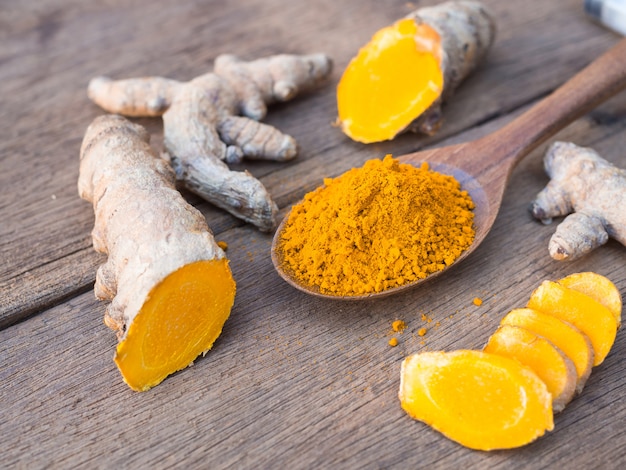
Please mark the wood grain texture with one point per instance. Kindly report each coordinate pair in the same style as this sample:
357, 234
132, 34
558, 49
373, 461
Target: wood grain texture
45, 108
293, 381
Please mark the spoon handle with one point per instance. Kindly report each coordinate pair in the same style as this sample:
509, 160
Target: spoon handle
603, 78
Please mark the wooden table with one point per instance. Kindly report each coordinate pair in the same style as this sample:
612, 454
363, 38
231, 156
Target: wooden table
294, 381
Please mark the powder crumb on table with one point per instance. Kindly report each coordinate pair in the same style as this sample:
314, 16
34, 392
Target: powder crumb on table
477, 301
421, 331
398, 326
393, 342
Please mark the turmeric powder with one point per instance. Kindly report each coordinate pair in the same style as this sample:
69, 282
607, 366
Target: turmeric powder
376, 228
398, 326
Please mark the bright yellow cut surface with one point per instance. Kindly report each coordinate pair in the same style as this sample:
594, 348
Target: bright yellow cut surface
589, 316
552, 366
598, 288
182, 318
482, 401
563, 335
392, 81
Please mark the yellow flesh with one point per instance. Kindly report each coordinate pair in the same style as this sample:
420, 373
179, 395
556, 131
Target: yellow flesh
564, 336
482, 401
590, 317
598, 288
392, 81
540, 355
181, 318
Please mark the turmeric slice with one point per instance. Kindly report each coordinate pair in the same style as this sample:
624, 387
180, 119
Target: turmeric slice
565, 336
546, 360
589, 316
482, 401
599, 288
409, 68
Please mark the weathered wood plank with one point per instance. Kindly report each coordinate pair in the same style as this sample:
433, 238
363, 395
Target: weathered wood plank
309, 383
43, 224
293, 380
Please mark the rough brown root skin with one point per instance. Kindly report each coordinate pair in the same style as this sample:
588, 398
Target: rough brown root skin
202, 126
169, 283
271, 79
148, 96
399, 80
591, 190
467, 31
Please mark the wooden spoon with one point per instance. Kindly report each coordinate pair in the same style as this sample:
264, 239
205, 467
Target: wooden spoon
483, 166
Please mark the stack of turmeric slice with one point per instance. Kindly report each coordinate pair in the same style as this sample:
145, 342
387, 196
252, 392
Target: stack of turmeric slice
532, 366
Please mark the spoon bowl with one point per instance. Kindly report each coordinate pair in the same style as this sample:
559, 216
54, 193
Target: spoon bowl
483, 166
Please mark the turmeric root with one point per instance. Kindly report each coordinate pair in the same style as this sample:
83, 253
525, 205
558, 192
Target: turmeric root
552, 366
590, 317
400, 79
565, 336
169, 283
482, 401
591, 190
202, 127
504, 396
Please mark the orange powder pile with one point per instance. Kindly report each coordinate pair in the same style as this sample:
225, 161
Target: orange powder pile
398, 325
377, 227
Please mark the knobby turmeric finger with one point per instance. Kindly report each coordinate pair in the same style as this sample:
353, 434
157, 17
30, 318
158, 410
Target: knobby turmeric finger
589, 192
203, 130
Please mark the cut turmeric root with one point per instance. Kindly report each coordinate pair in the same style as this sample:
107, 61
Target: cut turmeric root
575, 345
399, 80
482, 401
589, 316
599, 288
552, 366
181, 318
169, 283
